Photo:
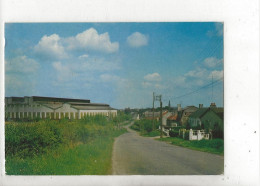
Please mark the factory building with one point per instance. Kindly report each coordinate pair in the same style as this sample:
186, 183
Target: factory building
54, 108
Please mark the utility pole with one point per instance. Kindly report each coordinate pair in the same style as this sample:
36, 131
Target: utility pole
153, 111
159, 98
212, 89
161, 116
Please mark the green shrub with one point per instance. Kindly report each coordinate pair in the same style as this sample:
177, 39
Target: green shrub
31, 139
217, 133
173, 133
34, 138
145, 125
186, 135
152, 133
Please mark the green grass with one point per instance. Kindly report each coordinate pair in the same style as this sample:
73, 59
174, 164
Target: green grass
93, 158
82, 147
215, 146
151, 134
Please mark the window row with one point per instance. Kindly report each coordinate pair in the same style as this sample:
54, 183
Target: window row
54, 115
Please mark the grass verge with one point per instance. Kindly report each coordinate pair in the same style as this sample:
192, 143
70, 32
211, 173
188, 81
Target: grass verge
92, 158
151, 134
215, 146
64, 147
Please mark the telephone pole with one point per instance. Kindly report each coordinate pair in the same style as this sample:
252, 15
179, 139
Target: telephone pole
159, 98
161, 115
153, 111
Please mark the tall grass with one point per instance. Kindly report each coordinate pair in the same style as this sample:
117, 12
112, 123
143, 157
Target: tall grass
63, 147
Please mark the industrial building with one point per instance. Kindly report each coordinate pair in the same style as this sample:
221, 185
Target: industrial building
54, 108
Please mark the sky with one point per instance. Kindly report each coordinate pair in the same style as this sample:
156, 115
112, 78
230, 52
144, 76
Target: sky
120, 64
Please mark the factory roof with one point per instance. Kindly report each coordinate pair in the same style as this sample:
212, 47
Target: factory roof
92, 107
64, 100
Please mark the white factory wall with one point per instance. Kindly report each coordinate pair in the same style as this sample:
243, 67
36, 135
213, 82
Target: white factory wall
36, 110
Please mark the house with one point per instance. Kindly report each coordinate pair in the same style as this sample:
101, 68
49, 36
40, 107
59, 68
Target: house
165, 115
195, 117
208, 118
213, 119
53, 108
172, 121
149, 115
183, 114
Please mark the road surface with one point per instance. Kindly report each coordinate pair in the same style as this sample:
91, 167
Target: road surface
137, 155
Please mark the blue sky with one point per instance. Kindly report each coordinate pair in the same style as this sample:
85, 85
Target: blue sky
121, 64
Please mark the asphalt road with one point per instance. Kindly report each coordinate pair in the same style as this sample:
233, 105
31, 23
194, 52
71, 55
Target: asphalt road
137, 155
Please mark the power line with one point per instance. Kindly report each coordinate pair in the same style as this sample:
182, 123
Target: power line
203, 87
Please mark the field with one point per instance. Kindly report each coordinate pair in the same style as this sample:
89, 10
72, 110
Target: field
61, 147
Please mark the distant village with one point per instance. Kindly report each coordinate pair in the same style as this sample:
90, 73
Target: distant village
207, 118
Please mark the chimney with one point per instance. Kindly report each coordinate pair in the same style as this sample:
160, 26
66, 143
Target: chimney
200, 105
213, 105
179, 107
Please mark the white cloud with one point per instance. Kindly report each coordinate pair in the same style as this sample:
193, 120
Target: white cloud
97, 64
137, 40
64, 72
83, 56
51, 47
216, 74
212, 62
153, 77
91, 40
197, 73
146, 84
196, 78
20, 85
21, 64
219, 29
109, 78
21, 74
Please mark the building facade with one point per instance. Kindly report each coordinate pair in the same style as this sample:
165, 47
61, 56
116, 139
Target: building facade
54, 108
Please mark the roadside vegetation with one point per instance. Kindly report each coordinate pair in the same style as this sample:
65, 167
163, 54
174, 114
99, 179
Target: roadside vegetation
145, 128
62, 147
215, 146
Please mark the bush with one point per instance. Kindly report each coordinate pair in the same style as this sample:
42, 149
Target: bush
34, 138
153, 133
186, 135
218, 134
145, 125
173, 133
31, 139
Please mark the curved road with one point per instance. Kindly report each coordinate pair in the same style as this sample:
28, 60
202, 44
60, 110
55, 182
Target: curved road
137, 155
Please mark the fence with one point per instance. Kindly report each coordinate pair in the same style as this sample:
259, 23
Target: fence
198, 135
194, 134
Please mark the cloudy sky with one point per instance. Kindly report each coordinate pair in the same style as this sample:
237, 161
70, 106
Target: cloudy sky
121, 64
